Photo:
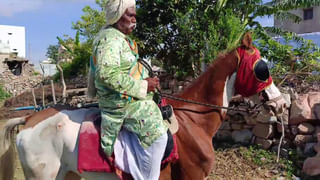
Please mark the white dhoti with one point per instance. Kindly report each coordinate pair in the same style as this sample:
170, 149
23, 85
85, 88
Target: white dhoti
131, 157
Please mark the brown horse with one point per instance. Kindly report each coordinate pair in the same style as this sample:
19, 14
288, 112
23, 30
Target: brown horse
196, 130
48, 148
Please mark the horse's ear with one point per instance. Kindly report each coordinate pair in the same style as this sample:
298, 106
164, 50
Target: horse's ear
247, 40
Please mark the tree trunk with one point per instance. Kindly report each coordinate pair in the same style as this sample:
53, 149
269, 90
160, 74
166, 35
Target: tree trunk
64, 92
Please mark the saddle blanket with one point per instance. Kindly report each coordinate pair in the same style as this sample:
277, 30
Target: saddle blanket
91, 156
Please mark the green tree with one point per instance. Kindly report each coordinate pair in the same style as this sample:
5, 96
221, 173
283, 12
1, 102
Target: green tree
287, 58
184, 33
91, 21
78, 52
80, 61
180, 34
52, 52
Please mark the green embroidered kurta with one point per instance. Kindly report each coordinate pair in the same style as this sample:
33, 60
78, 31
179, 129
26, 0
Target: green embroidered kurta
122, 92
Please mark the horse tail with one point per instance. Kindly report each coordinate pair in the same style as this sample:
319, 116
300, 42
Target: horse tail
7, 148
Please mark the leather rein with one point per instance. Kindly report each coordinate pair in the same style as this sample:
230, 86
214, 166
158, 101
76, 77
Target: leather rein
212, 106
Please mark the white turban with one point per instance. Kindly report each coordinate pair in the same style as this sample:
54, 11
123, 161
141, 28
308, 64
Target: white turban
116, 8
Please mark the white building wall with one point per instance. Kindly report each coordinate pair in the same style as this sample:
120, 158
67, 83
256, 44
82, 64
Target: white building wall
48, 68
305, 26
13, 39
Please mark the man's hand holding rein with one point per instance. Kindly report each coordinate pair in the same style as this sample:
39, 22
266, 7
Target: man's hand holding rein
153, 84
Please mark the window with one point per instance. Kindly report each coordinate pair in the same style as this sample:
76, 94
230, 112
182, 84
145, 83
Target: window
14, 49
308, 14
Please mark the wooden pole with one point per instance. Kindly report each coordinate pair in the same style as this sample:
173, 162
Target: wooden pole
42, 85
53, 92
43, 103
64, 91
34, 99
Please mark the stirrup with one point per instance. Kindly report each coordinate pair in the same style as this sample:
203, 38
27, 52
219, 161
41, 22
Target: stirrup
171, 121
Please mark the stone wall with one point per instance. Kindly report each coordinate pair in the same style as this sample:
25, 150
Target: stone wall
2, 64
16, 84
301, 126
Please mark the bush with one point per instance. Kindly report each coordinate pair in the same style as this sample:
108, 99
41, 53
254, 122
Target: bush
78, 65
3, 94
35, 73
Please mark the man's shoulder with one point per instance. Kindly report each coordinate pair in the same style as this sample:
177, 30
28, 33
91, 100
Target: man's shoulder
108, 34
111, 33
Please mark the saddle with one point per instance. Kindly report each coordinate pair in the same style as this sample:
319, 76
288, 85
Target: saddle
91, 156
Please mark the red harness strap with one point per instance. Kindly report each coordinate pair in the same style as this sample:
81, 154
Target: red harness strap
247, 83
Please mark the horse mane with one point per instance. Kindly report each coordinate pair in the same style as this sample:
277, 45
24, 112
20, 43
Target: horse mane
210, 82
223, 65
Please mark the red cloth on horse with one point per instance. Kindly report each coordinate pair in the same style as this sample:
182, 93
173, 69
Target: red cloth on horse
163, 102
91, 156
174, 156
247, 84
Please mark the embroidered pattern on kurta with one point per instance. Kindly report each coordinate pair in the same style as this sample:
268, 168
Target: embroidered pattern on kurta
118, 77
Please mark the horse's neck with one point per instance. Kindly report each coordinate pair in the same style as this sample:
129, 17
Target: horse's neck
214, 87
211, 83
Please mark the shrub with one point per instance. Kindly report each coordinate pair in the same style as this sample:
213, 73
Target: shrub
78, 65
3, 94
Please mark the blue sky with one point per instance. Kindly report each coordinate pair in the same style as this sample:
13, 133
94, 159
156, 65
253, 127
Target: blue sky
44, 20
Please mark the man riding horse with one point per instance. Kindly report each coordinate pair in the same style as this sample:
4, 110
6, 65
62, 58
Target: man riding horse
49, 145
125, 94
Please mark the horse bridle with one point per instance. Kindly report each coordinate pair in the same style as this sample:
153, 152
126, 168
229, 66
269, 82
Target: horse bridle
214, 107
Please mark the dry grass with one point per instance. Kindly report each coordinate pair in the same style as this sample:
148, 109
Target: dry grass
235, 163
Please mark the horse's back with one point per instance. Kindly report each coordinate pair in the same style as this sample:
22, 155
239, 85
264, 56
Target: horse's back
40, 147
49, 140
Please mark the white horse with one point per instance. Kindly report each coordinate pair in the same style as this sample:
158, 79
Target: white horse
49, 150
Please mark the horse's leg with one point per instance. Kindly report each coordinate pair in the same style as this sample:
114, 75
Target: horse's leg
165, 173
